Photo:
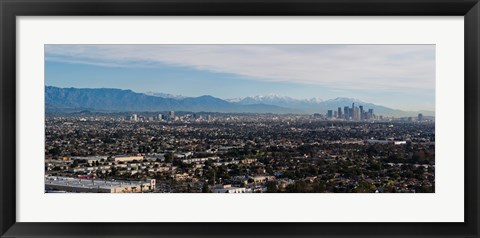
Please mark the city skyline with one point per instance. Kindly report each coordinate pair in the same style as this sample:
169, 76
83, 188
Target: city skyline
115, 100
397, 76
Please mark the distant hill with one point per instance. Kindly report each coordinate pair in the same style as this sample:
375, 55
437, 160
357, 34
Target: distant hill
316, 105
109, 99
308, 105
164, 95
334, 104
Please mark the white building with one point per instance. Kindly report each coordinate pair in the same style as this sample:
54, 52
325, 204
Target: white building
126, 158
77, 185
91, 159
134, 117
228, 189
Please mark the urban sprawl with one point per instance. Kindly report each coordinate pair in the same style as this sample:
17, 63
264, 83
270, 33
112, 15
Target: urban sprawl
342, 151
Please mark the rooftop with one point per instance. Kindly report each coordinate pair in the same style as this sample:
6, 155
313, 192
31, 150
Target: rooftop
91, 183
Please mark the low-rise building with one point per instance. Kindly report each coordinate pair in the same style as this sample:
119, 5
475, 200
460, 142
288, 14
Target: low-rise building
78, 185
126, 158
91, 159
227, 188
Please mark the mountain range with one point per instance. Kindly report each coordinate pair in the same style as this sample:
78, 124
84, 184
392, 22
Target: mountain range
109, 99
308, 105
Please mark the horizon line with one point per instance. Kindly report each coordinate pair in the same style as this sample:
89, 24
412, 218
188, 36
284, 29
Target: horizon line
225, 99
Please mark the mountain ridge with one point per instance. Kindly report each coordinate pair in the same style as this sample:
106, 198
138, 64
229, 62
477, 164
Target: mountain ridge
111, 99
108, 99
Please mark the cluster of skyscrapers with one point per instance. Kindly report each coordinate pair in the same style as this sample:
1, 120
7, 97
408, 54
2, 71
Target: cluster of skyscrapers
159, 117
171, 116
351, 113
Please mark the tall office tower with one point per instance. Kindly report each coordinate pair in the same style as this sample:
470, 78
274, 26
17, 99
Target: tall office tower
160, 117
330, 114
335, 114
361, 112
345, 112
172, 115
370, 113
134, 117
420, 117
356, 114
339, 112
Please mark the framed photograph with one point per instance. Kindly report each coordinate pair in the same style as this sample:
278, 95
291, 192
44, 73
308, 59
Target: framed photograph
240, 118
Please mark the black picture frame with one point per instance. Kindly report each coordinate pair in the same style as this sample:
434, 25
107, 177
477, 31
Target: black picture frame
10, 9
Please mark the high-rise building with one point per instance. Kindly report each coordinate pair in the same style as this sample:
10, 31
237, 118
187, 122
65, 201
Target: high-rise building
356, 114
172, 115
361, 112
352, 111
346, 113
160, 117
330, 114
370, 113
335, 114
339, 112
134, 117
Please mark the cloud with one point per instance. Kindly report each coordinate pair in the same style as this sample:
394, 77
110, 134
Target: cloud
362, 67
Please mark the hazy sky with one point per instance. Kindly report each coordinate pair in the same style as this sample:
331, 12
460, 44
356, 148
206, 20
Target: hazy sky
397, 76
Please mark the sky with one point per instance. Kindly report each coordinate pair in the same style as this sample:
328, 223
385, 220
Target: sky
397, 76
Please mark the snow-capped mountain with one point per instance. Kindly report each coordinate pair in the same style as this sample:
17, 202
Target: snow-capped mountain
108, 99
317, 105
314, 100
164, 95
277, 100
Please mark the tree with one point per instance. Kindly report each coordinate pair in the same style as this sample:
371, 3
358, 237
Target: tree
271, 187
319, 187
54, 152
114, 171
297, 187
205, 188
169, 157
